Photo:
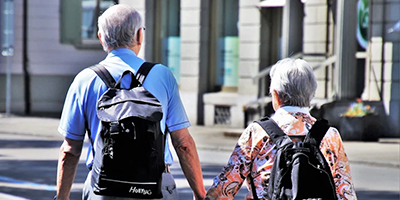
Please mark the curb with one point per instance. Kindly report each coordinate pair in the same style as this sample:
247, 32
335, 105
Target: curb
215, 148
389, 140
233, 133
379, 164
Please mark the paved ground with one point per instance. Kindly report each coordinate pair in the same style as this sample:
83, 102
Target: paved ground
215, 144
385, 152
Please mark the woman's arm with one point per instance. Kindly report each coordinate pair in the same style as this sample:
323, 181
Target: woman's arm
333, 150
227, 184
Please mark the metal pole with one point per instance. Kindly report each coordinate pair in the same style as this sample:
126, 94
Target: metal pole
8, 86
7, 45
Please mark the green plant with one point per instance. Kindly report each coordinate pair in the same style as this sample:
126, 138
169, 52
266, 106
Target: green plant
358, 109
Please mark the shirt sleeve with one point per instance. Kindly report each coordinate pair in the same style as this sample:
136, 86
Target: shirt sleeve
333, 150
227, 184
162, 84
176, 114
72, 122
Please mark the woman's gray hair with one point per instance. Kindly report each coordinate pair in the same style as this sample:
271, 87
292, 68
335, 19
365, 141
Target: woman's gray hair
118, 27
294, 81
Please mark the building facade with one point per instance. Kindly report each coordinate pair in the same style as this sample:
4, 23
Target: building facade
219, 51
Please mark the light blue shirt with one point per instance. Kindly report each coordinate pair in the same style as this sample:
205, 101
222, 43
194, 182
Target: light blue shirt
79, 110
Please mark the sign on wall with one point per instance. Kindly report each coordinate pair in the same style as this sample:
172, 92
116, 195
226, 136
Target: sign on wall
7, 28
174, 56
228, 59
362, 22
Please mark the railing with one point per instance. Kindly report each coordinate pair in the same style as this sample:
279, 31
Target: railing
329, 88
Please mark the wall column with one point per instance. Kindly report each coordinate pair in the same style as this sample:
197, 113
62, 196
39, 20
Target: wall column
191, 70
292, 28
346, 69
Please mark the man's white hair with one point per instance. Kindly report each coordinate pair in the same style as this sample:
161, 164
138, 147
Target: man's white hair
118, 27
294, 81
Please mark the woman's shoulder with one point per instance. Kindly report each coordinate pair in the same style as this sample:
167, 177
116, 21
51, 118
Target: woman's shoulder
256, 128
332, 139
253, 132
332, 133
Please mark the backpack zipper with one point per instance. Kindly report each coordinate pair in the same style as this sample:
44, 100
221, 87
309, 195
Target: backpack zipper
137, 183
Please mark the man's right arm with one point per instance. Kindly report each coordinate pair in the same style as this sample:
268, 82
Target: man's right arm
70, 152
188, 158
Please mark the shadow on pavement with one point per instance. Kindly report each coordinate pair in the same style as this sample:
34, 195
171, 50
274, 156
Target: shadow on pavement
23, 144
210, 171
34, 180
378, 195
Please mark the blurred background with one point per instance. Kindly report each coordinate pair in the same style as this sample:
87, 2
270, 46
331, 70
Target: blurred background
220, 52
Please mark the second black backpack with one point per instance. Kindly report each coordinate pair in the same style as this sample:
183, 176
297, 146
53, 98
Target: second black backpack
300, 170
131, 162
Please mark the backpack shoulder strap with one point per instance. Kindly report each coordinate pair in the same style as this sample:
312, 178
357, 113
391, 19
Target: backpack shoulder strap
253, 186
144, 69
318, 131
273, 130
104, 74
278, 137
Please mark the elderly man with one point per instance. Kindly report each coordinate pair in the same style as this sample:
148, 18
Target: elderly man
121, 35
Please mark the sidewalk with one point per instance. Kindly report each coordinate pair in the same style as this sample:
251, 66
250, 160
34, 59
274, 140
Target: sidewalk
10, 197
383, 153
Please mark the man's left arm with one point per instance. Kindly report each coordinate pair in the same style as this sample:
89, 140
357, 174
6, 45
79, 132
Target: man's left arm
189, 160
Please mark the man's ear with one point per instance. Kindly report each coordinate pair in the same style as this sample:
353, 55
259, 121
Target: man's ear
99, 35
139, 36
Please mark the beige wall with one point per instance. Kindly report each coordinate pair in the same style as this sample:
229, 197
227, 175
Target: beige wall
51, 65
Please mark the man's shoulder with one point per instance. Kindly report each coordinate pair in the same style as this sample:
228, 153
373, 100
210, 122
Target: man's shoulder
160, 68
85, 74
83, 80
161, 73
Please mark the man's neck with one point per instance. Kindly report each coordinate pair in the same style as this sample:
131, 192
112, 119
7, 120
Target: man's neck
135, 49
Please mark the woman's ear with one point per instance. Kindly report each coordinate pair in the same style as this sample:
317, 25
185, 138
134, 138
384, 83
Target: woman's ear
276, 102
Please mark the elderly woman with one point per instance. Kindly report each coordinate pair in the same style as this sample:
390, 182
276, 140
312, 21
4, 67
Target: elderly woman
293, 85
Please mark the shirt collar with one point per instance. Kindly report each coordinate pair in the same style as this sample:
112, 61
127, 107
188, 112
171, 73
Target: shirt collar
121, 51
294, 109
294, 120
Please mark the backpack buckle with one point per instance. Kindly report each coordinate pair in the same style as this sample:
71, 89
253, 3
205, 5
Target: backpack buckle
114, 128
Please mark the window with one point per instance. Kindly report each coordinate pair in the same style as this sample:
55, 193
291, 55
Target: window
224, 48
78, 21
222, 115
170, 31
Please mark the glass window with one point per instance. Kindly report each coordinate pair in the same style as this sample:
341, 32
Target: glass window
89, 16
171, 54
78, 21
228, 45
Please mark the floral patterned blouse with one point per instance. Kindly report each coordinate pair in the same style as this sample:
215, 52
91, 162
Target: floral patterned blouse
254, 145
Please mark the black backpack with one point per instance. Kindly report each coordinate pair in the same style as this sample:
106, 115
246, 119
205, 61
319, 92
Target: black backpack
132, 159
300, 170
